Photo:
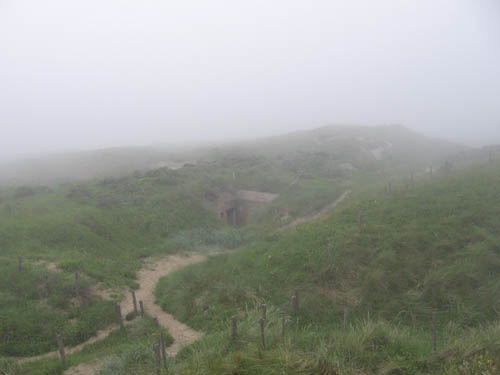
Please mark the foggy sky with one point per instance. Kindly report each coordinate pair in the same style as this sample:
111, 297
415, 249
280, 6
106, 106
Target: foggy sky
90, 74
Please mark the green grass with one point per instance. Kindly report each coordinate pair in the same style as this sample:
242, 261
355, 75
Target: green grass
432, 248
364, 347
104, 229
38, 304
133, 344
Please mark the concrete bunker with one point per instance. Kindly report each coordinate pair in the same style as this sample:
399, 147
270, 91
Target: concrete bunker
235, 207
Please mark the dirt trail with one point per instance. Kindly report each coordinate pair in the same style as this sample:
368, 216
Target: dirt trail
147, 278
318, 214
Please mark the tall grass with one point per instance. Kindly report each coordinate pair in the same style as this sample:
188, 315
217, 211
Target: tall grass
364, 347
37, 304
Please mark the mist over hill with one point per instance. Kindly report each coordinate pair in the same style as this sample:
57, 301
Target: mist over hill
347, 147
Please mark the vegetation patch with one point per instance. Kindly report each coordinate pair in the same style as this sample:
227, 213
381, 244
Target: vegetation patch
38, 304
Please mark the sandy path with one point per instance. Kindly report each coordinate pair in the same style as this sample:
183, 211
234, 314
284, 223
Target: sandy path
319, 214
147, 278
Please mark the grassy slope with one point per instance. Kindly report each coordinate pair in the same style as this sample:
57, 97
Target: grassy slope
432, 248
103, 229
37, 304
366, 347
126, 348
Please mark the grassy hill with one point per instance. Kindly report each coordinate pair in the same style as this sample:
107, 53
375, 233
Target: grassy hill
104, 228
328, 148
101, 229
434, 248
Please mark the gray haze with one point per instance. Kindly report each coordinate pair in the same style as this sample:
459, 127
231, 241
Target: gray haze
90, 74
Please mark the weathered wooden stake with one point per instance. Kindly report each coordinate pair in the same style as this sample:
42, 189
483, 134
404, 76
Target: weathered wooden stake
264, 311
60, 346
234, 327
141, 305
262, 334
134, 300
434, 334
283, 323
294, 305
158, 359
163, 350
19, 264
156, 351
119, 317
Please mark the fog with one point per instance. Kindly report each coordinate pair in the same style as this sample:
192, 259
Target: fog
93, 74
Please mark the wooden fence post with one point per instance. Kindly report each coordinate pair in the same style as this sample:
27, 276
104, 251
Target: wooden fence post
141, 305
60, 346
156, 352
234, 328
262, 335
434, 334
264, 311
119, 317
134, 300
163, 349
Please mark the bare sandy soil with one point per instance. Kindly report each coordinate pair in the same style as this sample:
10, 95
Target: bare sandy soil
147, 278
